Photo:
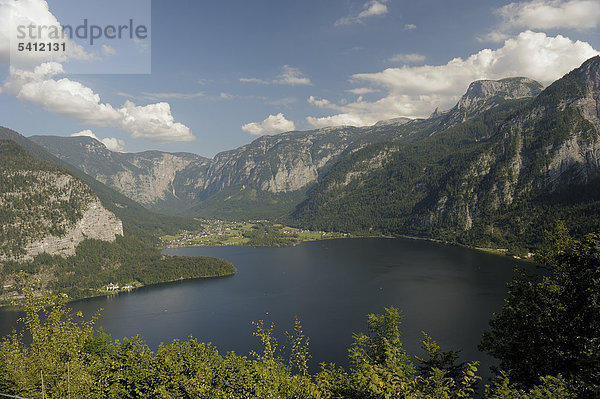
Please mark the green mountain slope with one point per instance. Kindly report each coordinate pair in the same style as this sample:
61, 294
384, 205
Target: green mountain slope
54, 226
379, 186
496, 180
136, 219
43, 205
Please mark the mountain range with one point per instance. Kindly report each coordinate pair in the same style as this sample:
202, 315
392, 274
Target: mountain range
271, 175
500, 177
496, 169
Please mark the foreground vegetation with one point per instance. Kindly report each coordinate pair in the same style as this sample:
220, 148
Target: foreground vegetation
546, 338
551, 324
68, 358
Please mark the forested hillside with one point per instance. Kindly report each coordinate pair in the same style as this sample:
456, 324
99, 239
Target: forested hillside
43, 208
55, 227
136, 219
496, 180
268, 177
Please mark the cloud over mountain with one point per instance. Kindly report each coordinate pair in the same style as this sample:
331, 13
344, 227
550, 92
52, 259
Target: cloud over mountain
414, 91
112, 143
73, 100
271, 125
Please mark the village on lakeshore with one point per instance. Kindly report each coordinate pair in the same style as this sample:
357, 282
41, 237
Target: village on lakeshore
115, 287
253, 233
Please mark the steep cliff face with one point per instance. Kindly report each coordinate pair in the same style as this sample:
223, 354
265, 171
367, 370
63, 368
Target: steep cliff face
145, 177
46, 209
546, 149
588, 104
96, 222
481, 91
282, 167
483, 95
152, 179
281, 163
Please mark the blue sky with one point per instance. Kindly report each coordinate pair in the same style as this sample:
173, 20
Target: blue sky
224, 72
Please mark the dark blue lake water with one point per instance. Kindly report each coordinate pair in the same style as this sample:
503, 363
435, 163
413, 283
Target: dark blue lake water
449, 292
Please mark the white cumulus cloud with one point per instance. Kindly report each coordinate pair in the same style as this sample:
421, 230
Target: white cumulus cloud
271, 125
414, 91
154, 122
64, 97
346, 119
73, 100
322, 103
15, 19
546, 14
292, 76
361, 90
112, 143
370, 8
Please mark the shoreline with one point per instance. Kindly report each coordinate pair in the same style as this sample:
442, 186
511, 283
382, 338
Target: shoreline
15, 308
492, 251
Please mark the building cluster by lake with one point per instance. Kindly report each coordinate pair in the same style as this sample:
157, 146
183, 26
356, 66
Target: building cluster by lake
115, 287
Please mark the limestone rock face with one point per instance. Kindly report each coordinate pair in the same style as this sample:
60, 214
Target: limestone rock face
152, 178
277, 164
282, 163
486, 94
508, 89
97, 223
548, 147
146, 177
46, 209
394, 121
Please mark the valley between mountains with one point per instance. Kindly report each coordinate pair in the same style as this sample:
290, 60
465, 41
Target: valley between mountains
495, 171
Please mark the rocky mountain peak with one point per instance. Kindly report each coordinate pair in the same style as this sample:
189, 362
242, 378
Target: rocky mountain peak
90, 143
437, 112
394, 121
590, 73
586, 96
486, 94
507, 89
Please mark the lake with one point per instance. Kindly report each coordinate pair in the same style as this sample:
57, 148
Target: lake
448, 291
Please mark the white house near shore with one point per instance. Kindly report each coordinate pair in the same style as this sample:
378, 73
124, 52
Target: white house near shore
112, 287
